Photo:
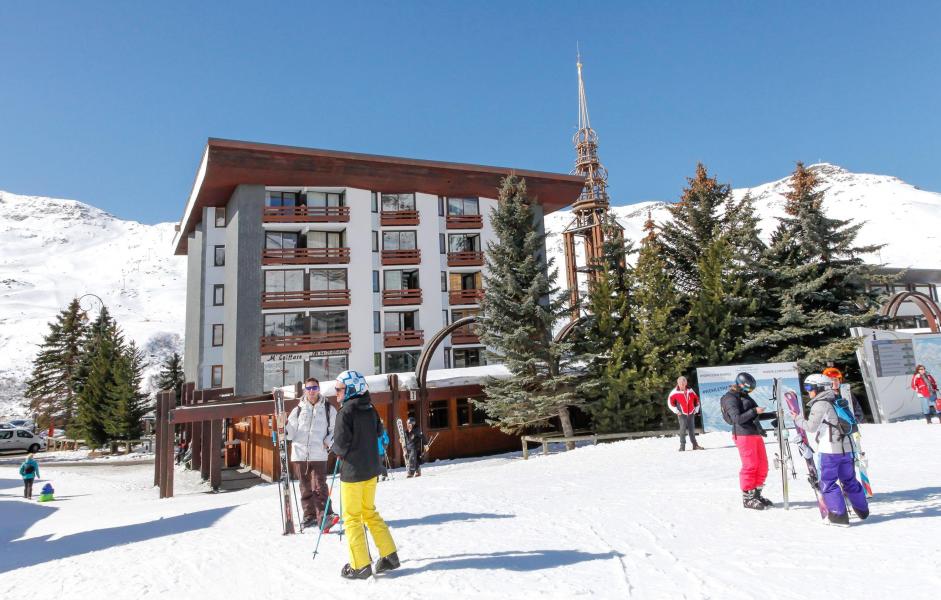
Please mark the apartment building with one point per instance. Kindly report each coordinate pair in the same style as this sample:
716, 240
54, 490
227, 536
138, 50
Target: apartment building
305, 262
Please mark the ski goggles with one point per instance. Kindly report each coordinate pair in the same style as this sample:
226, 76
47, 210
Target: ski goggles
311, 388
809, 387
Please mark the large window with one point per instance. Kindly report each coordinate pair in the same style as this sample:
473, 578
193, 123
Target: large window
218, 294
331, 321
324, 199
466, 281
469, 357
217, 334
401, 280
219, 256
459, 207
399, 240
328, 279
401, 362
282, 372
324, 239
396, 202
282, 199
280, 239
469, 413
325, 368
462, 242
285, 324
215, 376
438, 413
284, 281
401, 321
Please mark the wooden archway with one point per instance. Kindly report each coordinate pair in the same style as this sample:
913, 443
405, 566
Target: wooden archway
424, 359
928, 307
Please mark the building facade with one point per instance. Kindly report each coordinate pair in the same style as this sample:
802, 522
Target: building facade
304, 262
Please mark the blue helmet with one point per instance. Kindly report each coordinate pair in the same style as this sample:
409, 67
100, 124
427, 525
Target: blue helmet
355, 384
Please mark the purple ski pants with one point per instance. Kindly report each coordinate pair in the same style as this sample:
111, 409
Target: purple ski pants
840, 467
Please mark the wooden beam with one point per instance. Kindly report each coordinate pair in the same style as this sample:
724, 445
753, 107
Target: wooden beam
158, 421
196, 446
227, 410
215, 454
205, 449
170, 439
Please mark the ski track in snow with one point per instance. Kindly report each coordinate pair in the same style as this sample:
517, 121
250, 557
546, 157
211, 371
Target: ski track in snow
632, 519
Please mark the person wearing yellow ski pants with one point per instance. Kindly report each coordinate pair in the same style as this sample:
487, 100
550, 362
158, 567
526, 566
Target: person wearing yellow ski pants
359, 509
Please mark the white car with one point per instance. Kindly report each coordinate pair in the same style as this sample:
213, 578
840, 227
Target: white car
7, 426
20, 439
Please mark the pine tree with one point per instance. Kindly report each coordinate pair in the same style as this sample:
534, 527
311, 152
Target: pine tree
52, 385
103, 348
518, 313
712, 326
171, 376
127, 403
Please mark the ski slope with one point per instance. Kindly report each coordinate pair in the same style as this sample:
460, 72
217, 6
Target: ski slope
633, 519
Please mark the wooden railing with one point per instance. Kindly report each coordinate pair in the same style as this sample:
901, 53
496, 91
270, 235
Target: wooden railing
465, 222
465, 296
305, 343
305, 299
398, 217
306, 214
465, 259
465, 335
401, 297
395, 339
401, 257
305, 256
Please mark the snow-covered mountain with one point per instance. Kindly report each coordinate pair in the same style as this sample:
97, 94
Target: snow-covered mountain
53, 250
905, 218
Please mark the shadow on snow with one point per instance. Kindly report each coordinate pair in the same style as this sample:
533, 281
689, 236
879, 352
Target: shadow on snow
524, 560
446, 518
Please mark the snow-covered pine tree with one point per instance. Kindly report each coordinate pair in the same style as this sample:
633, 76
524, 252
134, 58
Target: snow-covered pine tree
171, 375
127, 403
103, 347
517, 315
52, 384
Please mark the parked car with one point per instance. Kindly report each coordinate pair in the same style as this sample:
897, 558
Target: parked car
7, 426
20, 439
23, 424
56, 433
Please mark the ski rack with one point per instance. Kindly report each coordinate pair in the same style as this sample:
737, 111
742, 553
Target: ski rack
782, 458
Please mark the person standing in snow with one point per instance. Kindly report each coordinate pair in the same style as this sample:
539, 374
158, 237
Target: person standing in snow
835, 448
310, 428
415, 446
29, 471
684, 403
383, 444
927, 389
356, 444
745, 416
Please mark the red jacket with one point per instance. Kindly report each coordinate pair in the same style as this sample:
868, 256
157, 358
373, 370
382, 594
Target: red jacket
686, 401
924, 388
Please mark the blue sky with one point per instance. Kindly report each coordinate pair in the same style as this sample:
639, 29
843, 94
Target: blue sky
111, 103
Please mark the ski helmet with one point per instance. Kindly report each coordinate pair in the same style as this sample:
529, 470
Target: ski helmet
818, 383
411, 420
833, 373
354, 382
746, 382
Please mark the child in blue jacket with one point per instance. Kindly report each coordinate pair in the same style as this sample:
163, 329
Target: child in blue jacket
29, 471
383, 444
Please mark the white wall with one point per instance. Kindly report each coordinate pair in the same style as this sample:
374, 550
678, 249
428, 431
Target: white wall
214, 236
359, 278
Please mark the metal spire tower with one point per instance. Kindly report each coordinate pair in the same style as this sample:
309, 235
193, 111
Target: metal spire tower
591, 216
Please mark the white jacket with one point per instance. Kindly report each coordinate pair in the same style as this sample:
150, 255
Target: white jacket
309, 427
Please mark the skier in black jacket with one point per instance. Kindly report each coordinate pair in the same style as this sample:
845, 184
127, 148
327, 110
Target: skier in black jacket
743, 413
356, 443
415, 446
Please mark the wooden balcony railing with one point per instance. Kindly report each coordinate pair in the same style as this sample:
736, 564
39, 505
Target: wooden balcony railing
401, 297
305, 343
465, 222
465, 296
396, 339
392, 218
305, 299
306, 214
465, 335
401, 257
305, 256
465, 259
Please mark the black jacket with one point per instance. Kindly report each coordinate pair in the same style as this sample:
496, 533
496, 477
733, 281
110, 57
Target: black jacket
415, 445
356, 439
740, 407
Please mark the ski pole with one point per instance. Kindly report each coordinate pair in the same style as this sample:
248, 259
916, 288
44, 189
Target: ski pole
326, 507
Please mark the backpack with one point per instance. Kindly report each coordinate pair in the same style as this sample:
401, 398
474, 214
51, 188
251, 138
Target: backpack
845, 421
29, 470
724, 406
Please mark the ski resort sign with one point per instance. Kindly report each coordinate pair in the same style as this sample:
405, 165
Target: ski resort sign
714, 382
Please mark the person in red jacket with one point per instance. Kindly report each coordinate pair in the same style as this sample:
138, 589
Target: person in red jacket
927, 389
685, 404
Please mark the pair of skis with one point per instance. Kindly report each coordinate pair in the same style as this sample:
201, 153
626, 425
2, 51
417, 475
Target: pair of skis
287, 512
803, 446
783, 459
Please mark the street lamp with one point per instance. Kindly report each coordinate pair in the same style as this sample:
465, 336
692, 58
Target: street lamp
91, 303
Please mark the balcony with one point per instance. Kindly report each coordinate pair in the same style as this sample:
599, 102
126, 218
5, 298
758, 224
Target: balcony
401, 297
310, 342
305, 256
398, 339
465, 222
394, 218
465, 296
465, 259
306, 214
401, 257
465, 335
305, 299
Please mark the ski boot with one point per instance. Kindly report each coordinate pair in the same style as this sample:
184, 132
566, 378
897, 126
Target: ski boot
387, 563
750, 500
767, 503
348, 572
838, 519
862, 513
682, 449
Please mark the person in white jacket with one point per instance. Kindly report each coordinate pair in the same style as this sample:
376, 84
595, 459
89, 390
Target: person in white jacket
684, 403
310, 428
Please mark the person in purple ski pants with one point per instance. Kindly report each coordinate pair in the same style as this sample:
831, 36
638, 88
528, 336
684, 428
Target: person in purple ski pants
835, 448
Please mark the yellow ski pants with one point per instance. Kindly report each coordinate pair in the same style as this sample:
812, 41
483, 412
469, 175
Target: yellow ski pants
359, 508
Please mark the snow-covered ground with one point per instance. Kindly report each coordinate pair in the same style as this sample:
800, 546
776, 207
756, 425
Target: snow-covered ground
634, 519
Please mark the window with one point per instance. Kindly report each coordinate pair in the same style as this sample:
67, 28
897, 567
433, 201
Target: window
376, 322
878, 289
928, 290
470, 413
375, 281
285, 324
6, 434
397, 202
332, 321
442, 248
284, 281
399, 240
447, 357
400, 280
438, 414
401, 362
459, 207
401, 321
464, 312
324, 199
375, 203
280, 239
375, 241
462, 242
218, 294
444, 317
469, 357
328, 279
282, 372
325, 239
216, 376
466, 281
217, 331
440, 206
219, 257
377, 363
444, 281
282, 199
325, 368
220, 216
23, 434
